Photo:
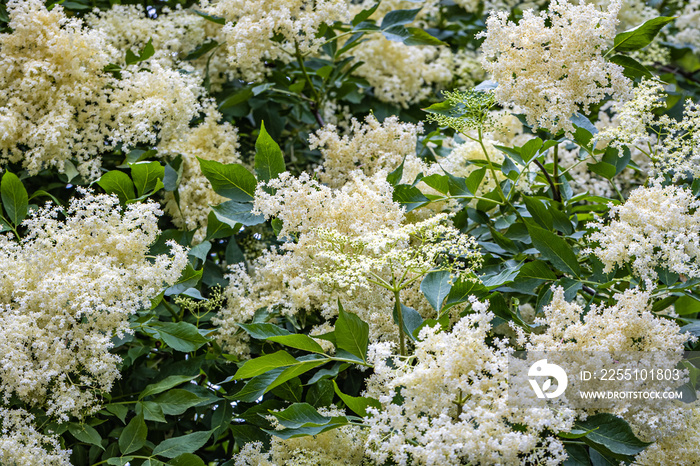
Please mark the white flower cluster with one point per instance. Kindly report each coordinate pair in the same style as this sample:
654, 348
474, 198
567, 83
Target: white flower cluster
682, 448
251, 26
210, 140
22, 444
454, 409
550, 65
59, 105
66, 290
282, 277
370, 146
656, 227
393, 256
688, 24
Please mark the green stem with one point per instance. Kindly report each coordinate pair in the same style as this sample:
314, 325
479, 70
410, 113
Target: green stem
557, 191
399, 314
316, 104
170, 309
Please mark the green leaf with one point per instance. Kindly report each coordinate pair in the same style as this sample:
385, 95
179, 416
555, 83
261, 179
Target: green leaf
554, 249
119, 183
300, 415
202, 49
352, 334
536, 270
187, 459
221, 418
257, 386
263, 364
146, 176
133, 436
234, 212
299, 341
85, 433
118, 410
358, 404
577, 455
641, 36
612, 433
308, 430
189, 279
420, 37
237, 98
539, 212
632, 68
151, 411
264, 331
530, 149
180, 336
410, 197
176, 401
320, 393
177, 446
14, 198
364, 14
269, 160
233, 181
399, 17
438, 182
462, 289
395, 176
412, 320
165, 384
436, 286
212, 18
146, 52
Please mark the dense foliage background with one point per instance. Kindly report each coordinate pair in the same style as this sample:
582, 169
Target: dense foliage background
311, 231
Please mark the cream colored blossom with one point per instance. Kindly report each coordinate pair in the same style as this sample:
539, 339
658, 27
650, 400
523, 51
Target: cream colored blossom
66, 289
682, 448
402, 74
370, 146
21, 444
58, 105
655, 227
251, 26
454, 406
550, 65
688, 24
210, 140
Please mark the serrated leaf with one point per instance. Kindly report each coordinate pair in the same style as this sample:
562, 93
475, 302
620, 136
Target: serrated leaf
176, 401
554, 249
358, 404
351, 333
420, 37
165, 384
264, 331
262, 364
233, 181
631, 67
298, 341
85, 433
398, 17
611, 432
232, 213
146, 176
409, 197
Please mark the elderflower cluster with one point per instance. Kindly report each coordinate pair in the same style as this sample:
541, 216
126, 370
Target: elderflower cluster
59, 106
337, 447
628, 333
370, 146
550, 65
656, 227
281, 276
22, 444
174, 34
688, 24
210, 140
454, 407
402, 74
682, 448
251, 26
66, 290
409, 251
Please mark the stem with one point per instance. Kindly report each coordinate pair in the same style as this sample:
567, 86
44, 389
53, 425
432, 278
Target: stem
555, 192
399, 314
316, 104
170, 309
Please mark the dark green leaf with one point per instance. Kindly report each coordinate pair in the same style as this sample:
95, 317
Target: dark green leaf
419, 37
202, 49
612, 433
632, 68
412, 320
187, 459
133, 436
176, 446
85, 433
351, 333
299, 341
262, 364
410, 197
151, 411
364, 14
358, 404
181, 336
233, 212
146, 52
264, 331
554, 249
539, 212
243, 95
399, 17
146, 176
176, 401
165, 384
